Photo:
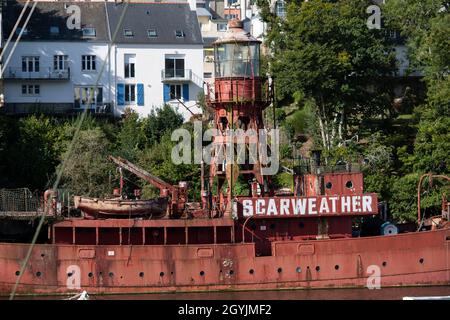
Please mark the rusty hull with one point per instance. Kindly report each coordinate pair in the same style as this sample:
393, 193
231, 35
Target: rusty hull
409, 259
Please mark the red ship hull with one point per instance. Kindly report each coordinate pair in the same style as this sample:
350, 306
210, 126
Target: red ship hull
411, 259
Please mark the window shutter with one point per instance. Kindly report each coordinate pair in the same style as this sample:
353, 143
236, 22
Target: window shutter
120, 94
186, 92
140, 94
166, 92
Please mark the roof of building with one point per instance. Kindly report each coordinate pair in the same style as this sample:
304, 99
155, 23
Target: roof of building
174, 23
50, 19
203, 12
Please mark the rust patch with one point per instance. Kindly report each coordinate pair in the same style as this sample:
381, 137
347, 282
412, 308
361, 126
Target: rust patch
305, 249
205, 252
86, 253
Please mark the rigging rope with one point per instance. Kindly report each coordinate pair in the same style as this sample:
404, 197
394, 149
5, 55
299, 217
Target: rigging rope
70, 149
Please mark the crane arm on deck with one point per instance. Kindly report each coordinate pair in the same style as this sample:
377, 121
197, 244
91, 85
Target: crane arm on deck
141, 173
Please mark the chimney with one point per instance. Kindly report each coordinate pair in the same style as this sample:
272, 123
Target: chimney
193, 5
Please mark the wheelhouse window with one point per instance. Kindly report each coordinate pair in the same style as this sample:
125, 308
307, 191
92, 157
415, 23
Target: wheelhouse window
30, 64
60, 62
174, 67
31, 89
88, 63
130, 93
130, 61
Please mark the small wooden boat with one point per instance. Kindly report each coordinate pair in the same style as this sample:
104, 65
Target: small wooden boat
121, 208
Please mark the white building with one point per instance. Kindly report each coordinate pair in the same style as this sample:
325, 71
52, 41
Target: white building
157, 58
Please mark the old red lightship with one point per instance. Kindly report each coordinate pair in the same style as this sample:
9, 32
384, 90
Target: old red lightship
266, 240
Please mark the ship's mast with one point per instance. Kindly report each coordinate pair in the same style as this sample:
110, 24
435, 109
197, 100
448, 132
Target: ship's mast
238, 109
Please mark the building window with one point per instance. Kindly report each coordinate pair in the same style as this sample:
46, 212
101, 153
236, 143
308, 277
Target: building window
130, 93
207, 75
31, 89
179, 34
60, 62
30, 64
128, 33
89, 32
174, 68
280, 8
222, 27
88, 63
54, 30
231, 3
151, 33
230, 16
85, 95
175, 91
24, 32
130, 61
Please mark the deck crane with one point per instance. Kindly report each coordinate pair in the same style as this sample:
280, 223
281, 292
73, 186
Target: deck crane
176, 193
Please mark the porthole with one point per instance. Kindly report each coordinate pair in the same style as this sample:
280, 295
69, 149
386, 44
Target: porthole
17, 273
384, 264
328, 185
42, 255
279, 270
318, 268
90, 274
231, 272
421, 260
38, 274
336, 267
349, 184
251, 271
69, 274
171, 273
298, 269
161, 274
111, 274
202, 273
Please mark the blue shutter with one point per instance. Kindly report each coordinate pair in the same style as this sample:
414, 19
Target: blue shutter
186, 92
120, 94
166, 92
140, 94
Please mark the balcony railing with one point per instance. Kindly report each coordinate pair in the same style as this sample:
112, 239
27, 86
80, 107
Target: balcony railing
44, 73
176, 75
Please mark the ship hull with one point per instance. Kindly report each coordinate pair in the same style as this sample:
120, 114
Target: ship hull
412, 259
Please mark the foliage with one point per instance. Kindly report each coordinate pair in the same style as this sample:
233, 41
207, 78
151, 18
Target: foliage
85, 169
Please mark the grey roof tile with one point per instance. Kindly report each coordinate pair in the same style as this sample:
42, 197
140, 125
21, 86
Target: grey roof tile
48, 14
166, 18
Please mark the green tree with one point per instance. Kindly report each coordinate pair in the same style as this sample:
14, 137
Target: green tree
325, 51
86, 170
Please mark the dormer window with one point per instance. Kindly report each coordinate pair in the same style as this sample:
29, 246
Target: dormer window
89, 32
179, 34
54, 30
128, 33
152, 33
24, 33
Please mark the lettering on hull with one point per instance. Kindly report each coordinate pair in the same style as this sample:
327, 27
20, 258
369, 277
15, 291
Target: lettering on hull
354, 205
